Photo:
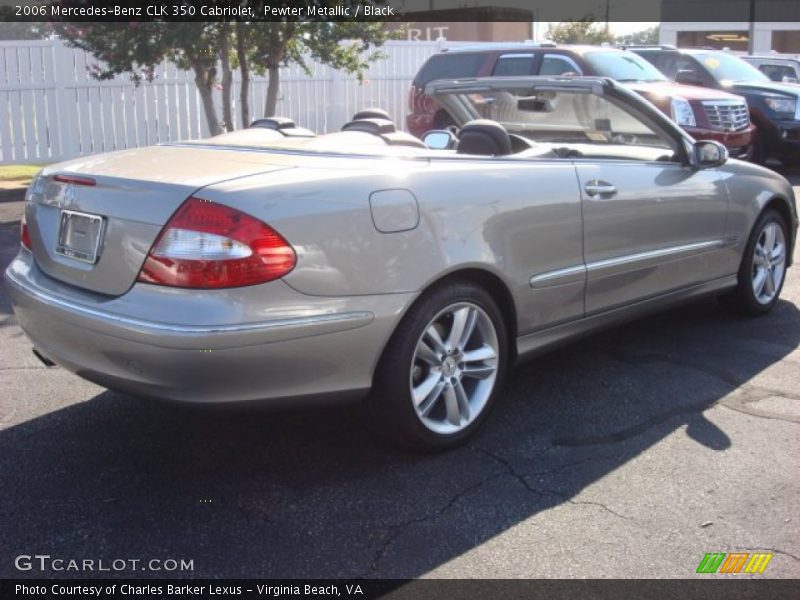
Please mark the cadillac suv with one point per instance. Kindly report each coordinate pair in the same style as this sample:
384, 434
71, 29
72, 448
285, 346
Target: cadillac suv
774, 106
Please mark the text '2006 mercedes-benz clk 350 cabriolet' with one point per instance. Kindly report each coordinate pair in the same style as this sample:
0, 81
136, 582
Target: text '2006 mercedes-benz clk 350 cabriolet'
274, 265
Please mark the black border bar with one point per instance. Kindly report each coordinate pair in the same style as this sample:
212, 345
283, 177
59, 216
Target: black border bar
701, 588
399, 10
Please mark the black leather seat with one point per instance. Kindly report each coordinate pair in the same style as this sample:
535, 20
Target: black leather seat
483, 137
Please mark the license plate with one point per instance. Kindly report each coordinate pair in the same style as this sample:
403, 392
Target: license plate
79, 236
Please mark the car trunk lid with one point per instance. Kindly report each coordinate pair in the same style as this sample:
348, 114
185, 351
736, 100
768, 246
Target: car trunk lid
92, 221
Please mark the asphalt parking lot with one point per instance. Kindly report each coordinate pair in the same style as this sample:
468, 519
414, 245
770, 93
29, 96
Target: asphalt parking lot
628, 454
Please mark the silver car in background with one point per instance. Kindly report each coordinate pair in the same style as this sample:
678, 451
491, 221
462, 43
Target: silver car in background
273, 265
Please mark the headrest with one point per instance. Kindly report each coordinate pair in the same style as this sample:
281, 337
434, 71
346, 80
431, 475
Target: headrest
282, 125
401, 138
371, 113
374, 126
484, 138
274, 123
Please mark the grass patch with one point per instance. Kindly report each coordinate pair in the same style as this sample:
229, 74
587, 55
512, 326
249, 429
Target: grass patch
18, 172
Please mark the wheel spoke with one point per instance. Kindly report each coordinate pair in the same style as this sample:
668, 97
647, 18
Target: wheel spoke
463, 400
759, 280
451, 404
433, 335
423, 390
485, 352
425, 353
430, 401
776, 256
463, 324
769, 282
769, 238
469, 328
478, 371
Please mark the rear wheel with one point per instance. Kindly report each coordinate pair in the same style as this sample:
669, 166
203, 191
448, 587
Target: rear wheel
763, 269
440, 372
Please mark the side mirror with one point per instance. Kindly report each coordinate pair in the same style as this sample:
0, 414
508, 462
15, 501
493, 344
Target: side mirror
709, 154
439, 139
688, 77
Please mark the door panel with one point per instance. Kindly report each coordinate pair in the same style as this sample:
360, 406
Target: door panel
660, 229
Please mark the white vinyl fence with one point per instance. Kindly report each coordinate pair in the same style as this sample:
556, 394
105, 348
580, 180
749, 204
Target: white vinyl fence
51, 109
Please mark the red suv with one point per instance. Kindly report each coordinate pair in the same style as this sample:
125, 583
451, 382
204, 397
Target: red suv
705, 114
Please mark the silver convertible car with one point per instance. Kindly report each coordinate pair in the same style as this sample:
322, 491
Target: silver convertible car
274, 265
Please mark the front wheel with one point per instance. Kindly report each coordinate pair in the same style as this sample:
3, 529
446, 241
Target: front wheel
763, 269
758, 151
441, 371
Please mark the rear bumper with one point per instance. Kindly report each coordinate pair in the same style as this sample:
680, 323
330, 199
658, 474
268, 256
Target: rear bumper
302, 348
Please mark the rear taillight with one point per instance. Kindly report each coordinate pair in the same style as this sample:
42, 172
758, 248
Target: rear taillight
24, 234
208, 245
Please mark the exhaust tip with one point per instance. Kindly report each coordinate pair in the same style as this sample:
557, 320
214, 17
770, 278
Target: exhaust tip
46, 361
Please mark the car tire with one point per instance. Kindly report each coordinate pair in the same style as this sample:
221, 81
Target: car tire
433, 385
791, 162
757, 152
763, 268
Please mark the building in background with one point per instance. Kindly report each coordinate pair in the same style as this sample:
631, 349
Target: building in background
778, 37
468, 24
774, 25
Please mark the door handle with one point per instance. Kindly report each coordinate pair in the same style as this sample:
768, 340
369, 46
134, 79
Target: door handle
595, 187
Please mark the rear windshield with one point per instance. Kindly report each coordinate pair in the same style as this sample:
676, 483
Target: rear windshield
449, 66
623, 66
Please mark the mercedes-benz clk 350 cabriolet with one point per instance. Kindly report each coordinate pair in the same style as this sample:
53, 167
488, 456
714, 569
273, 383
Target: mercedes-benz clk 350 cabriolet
274, 265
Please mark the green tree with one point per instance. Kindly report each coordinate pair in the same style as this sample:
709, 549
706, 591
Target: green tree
582, 31
214, 50
137, 48
645, 36
347, 46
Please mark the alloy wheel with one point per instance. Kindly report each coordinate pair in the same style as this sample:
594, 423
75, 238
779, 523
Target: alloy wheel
454, 368
769, 262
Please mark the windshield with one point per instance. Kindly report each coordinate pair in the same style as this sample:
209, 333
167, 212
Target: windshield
726, 67
623, 66
556, 116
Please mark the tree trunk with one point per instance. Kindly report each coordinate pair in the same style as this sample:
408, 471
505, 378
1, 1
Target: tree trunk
205, 85
272, 91
244, 66
227, 75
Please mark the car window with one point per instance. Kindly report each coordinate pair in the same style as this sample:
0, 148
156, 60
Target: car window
726, 67
600, 126
450, 66
513, 64
778, 72
622, 66
670, 63
553, 64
